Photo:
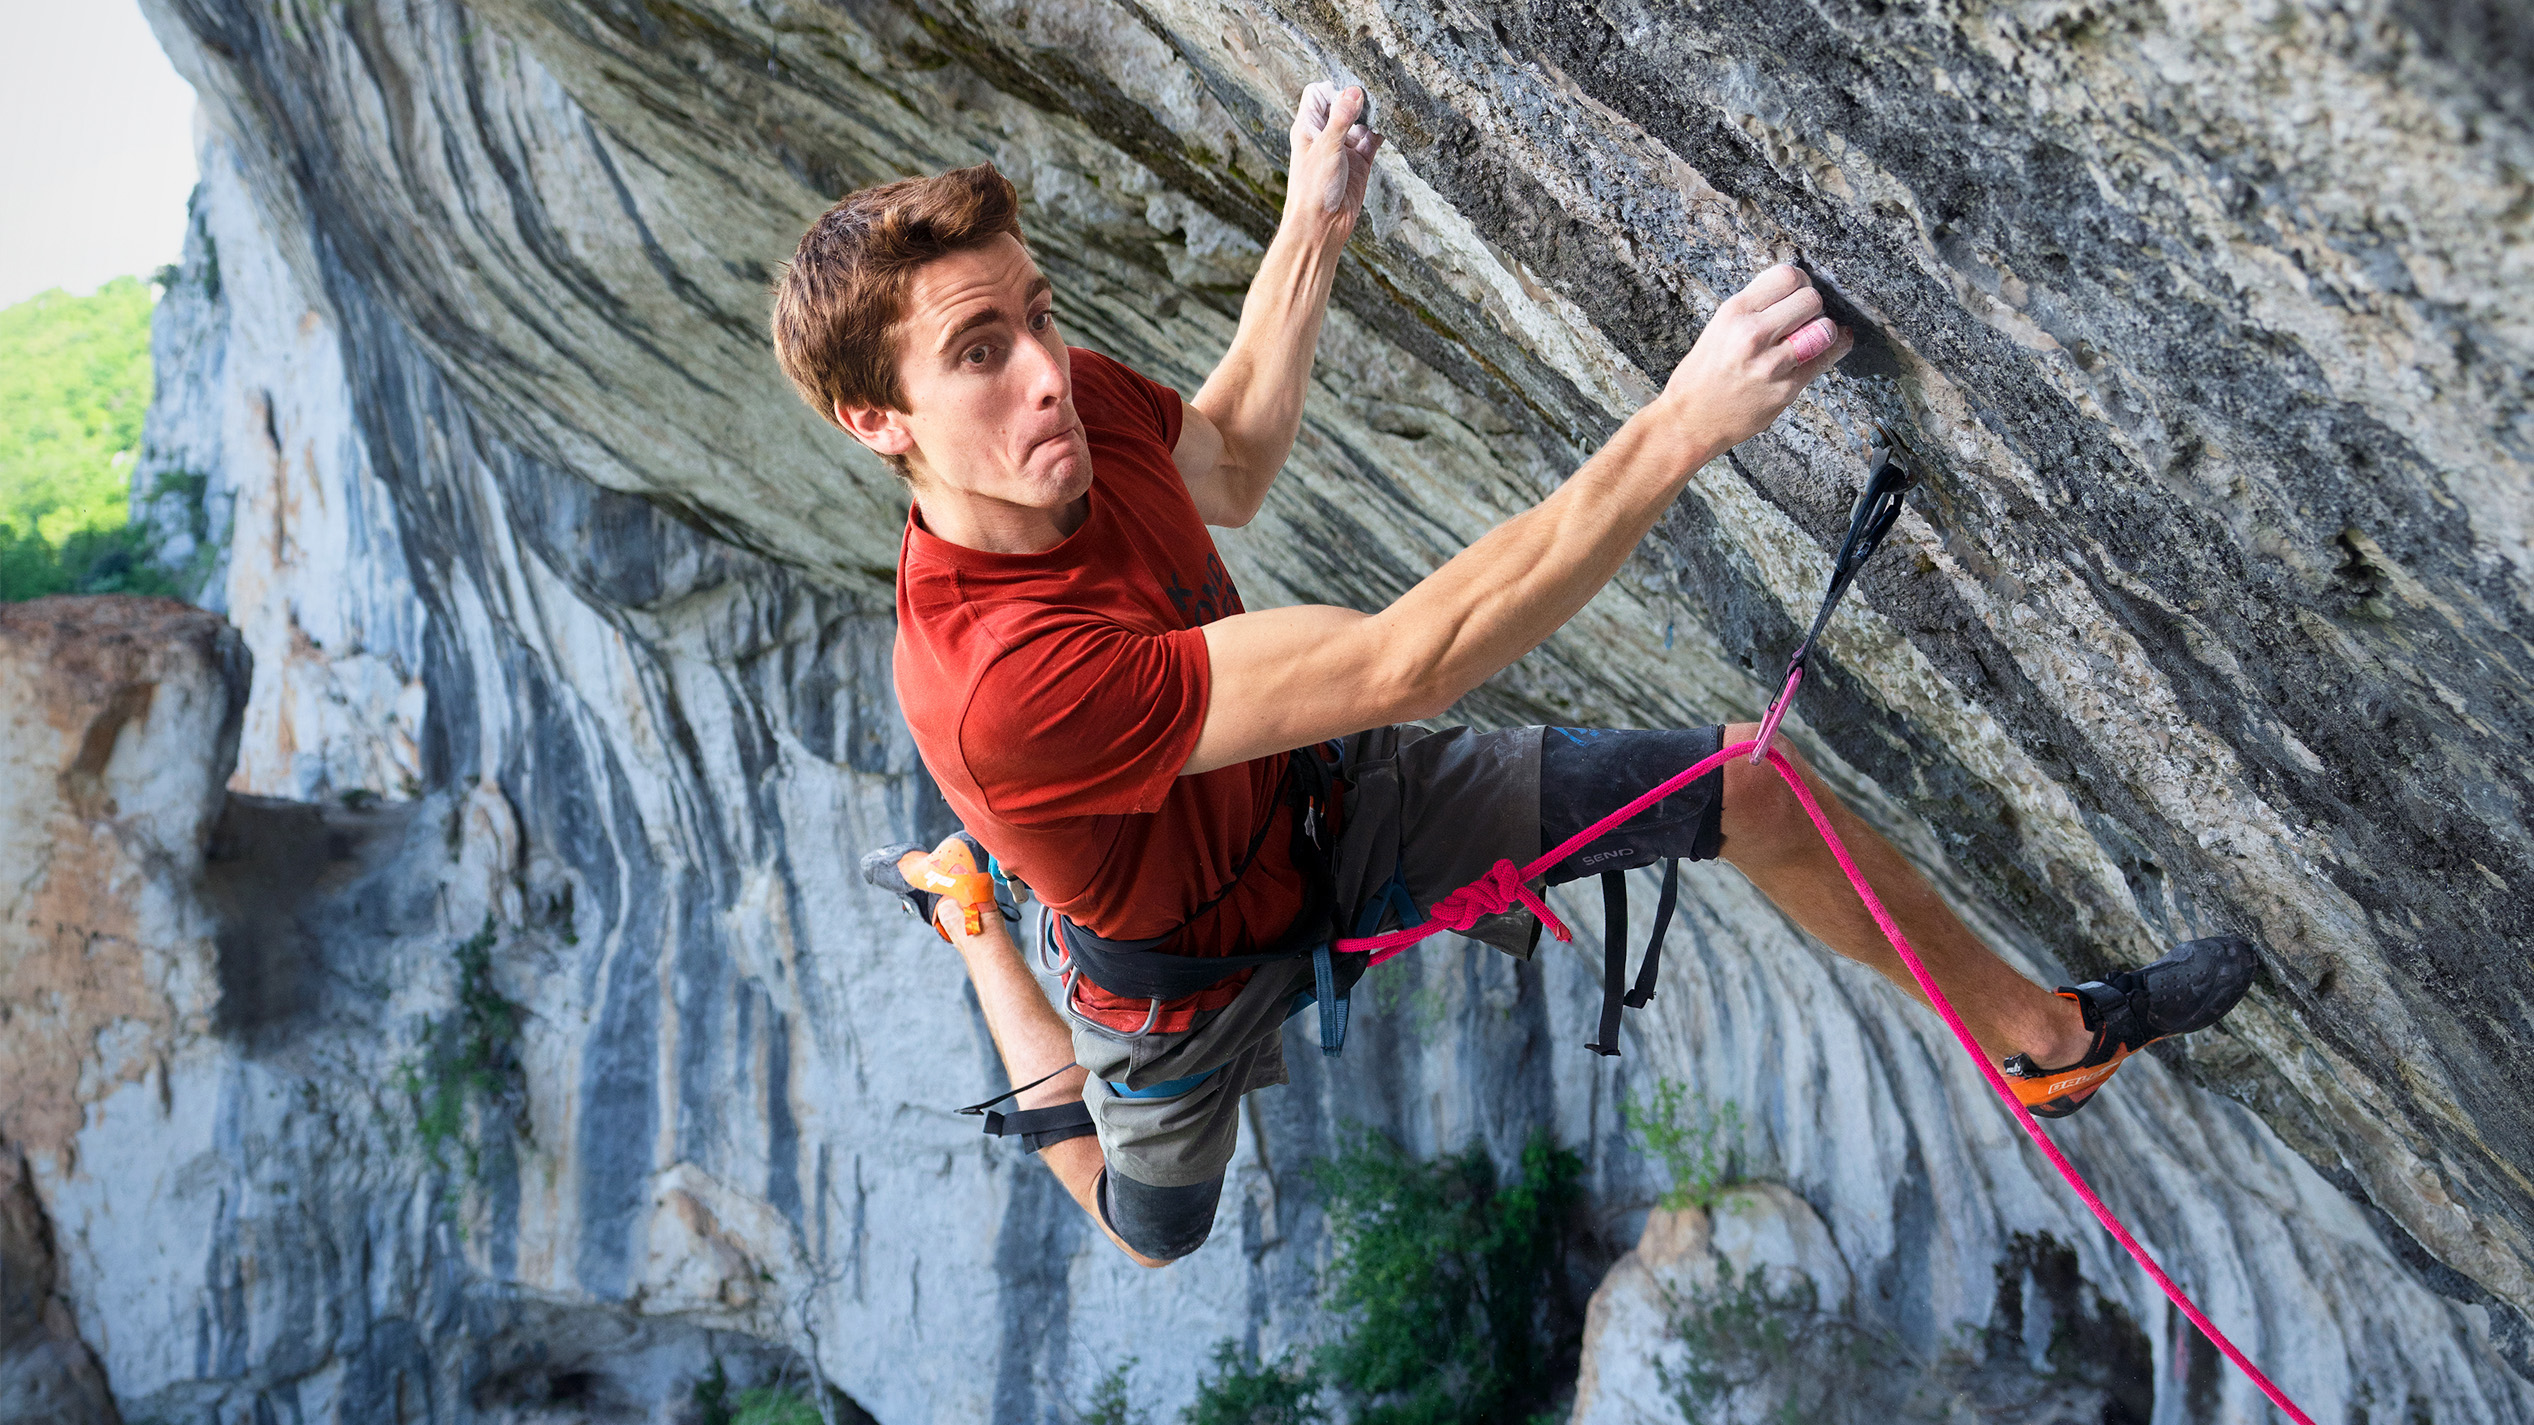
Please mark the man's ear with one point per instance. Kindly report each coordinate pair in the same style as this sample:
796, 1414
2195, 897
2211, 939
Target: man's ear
883, 431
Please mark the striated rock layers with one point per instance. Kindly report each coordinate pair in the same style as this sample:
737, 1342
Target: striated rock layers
570, 705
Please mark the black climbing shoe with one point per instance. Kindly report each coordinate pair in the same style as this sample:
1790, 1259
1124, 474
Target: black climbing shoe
920, 879
2189, 989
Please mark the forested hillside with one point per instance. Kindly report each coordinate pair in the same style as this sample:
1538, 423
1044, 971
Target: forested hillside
74, 384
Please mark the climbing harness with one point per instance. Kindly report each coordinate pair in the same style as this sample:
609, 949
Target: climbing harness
1142, 969
1504, 885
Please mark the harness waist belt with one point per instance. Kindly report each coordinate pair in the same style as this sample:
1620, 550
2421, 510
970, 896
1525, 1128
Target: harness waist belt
1141, 969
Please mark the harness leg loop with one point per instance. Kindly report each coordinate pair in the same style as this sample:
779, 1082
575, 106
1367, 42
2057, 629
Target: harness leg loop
1614, 950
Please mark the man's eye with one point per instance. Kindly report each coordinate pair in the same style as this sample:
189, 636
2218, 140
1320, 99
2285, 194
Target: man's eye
976, 355
1043, 320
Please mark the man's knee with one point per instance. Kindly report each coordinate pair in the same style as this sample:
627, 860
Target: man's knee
1762, 818
1163, 1223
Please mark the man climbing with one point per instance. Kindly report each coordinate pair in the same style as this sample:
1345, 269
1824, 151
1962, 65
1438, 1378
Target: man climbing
1202, 795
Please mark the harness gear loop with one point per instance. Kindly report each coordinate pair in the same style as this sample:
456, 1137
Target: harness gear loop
1142, 969
1332, 1004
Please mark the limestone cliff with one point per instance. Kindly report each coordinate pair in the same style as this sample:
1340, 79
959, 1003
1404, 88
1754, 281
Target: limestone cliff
2209, 323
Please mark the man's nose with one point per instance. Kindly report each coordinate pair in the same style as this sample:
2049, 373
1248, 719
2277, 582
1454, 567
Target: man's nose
1047, 378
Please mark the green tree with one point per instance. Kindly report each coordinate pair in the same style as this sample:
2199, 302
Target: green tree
469, 1081
74, 386
1111, 1402
1449, 1276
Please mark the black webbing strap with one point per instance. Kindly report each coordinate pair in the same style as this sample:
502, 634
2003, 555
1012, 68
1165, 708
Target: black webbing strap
1614, 951
1614, 959
1139, 969
1664, 905
1038, 1127
1877, 509
1035, 1127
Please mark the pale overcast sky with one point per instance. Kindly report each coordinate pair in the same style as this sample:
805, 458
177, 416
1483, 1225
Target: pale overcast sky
96, 147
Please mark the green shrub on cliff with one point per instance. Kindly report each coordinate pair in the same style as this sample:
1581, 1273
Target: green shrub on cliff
1111, 1403
74, 385
1449, 1276
468, 1083
1247, 1391
1693, 1139
781, 1402
1445, 1281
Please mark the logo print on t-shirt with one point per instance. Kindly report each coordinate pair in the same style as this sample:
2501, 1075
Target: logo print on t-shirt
1212, 599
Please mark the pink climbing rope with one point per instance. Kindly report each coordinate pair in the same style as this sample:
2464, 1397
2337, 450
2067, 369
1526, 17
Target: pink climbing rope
1503, 886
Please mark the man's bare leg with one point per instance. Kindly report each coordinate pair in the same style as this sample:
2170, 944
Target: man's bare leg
1768, 838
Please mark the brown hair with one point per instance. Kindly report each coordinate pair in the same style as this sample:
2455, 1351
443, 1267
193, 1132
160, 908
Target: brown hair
841, 296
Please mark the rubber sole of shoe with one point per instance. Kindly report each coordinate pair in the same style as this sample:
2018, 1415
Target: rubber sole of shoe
880, 867
2196, 983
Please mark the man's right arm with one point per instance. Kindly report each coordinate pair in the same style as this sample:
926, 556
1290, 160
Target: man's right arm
1289, 677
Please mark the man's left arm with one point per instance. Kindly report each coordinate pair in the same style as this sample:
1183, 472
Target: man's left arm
1235, 435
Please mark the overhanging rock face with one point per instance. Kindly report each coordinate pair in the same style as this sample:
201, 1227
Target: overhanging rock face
2210, 328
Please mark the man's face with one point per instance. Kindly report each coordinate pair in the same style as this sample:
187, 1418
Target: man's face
988, 385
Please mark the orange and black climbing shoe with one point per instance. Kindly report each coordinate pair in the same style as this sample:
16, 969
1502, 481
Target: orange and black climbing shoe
921, 880
2190, 988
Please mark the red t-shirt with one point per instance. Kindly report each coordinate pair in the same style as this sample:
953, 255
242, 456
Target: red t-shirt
1055, 696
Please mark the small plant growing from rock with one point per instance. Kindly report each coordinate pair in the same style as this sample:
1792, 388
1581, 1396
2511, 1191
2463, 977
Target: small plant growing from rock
1445, 1273
1448, 1277
779, 1403
1694, 1141
1110, 1403
1753, 1344
774, 1405
468, 1077
1245, 1390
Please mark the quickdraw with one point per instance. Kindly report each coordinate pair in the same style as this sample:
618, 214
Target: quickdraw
1878, 506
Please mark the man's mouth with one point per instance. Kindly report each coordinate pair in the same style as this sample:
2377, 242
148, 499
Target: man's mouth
1065, 435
